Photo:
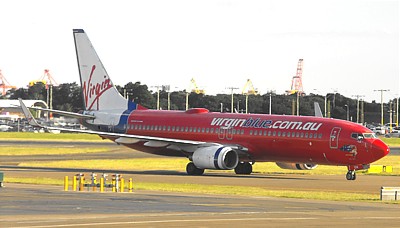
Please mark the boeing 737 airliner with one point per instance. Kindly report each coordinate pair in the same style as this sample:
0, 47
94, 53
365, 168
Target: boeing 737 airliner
217, 140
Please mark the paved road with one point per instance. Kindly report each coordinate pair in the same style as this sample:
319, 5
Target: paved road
46, 206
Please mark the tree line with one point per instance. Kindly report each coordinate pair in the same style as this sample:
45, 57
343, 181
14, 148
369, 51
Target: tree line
67, 97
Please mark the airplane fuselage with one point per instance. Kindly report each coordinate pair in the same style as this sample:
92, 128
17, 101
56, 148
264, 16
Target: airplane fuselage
277, 138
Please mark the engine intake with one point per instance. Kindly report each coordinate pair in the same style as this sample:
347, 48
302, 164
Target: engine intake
215, 157
297, 166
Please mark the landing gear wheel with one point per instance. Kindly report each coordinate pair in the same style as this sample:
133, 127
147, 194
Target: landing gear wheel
244, 168
351, 175
191, 169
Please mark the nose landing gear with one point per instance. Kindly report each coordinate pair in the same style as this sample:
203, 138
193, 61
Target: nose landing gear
351, 175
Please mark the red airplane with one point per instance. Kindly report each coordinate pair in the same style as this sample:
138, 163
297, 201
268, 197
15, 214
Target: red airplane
213, 140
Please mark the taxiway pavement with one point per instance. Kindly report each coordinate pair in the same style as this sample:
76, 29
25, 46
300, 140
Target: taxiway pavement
48, 206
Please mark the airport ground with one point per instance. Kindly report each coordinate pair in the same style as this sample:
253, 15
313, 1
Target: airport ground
24, 205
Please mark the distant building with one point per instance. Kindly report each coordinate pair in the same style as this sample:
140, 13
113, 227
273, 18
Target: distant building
11, 110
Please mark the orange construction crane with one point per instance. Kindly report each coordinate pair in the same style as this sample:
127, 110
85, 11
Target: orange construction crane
297, 83
48, 78
4, 85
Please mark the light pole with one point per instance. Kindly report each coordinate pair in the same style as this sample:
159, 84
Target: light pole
381, 90
347, 113
232, 88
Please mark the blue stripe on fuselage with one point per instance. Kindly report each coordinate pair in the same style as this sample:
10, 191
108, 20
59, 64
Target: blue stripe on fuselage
123, 120
216, 158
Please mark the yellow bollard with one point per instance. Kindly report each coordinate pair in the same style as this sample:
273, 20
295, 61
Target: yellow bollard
66, 183
102, 184
130, 185
81, 184
74, 183
94, 185
122, 184
113, 185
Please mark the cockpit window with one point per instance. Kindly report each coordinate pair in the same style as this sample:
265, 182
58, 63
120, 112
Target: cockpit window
369, 135
356, 135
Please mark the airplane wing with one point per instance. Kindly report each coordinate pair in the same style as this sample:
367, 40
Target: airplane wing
127, 138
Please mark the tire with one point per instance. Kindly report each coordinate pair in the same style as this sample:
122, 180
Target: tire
191, 169
244, 168
248, 168
239, 169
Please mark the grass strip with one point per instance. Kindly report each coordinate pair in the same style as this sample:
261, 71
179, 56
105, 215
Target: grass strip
22, 151
179, 164
391, 142
224, 190
30, 136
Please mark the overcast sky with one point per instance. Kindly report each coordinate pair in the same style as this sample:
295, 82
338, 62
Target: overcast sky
351, 47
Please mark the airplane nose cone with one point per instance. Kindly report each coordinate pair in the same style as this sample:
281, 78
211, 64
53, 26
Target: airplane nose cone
379, 149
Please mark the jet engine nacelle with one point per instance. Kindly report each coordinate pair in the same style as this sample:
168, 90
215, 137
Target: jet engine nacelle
215, 157
283, 165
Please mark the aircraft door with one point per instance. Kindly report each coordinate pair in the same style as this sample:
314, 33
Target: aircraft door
221, 133
229, 133
334, 138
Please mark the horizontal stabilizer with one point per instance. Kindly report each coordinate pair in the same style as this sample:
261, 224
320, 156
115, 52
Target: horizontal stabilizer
65, 113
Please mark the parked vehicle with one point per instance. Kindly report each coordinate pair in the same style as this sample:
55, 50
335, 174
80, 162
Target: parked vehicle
379, 130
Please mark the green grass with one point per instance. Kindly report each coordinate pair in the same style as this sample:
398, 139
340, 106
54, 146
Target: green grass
49, 136
392, 142
21, 151
222, 190
179, 164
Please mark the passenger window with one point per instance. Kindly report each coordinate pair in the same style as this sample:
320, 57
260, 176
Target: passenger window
251, 132
320, 136
274, 133
283, 134
297, 134
279, 133
212, 130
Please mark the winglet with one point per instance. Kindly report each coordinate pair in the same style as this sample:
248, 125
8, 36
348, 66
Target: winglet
28, 115
317, 110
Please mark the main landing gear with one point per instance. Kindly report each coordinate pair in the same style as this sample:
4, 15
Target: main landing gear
191, 169
244, 168
351, 175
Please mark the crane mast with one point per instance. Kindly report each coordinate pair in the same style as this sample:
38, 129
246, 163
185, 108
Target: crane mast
4, 84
